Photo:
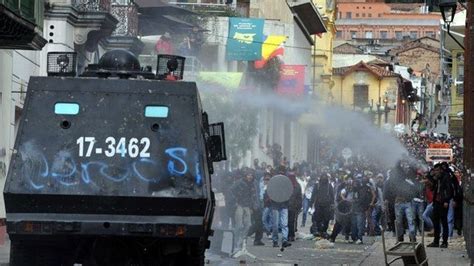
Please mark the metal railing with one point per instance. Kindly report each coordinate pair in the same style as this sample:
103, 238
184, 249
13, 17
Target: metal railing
192, 66
127, 15
92, 5
208, 5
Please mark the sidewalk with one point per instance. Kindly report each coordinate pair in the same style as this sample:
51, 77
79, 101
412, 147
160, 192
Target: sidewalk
454, 255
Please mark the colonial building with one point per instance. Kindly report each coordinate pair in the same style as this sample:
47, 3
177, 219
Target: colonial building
323, 50
385, 21
374, 89
21, 36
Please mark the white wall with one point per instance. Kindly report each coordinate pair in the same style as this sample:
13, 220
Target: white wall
15, 70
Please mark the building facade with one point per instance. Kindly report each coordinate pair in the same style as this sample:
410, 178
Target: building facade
385, 21
323, 48
370, 89
21, 36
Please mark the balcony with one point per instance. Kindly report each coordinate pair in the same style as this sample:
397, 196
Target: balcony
92, 20
125, 34
217, 7
127, 16
92, 5
21, 22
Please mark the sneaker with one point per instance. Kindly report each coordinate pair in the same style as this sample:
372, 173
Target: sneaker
258, 243
359, 242
275, 244
433, 245
444, 245
286, 244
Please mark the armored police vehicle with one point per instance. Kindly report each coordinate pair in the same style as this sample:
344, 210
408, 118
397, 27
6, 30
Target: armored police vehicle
112, 167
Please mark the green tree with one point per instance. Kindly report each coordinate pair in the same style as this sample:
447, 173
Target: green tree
240, 121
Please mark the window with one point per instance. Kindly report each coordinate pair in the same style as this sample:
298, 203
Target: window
363, 15
380, 15
156, 111
383, 34
357, 7
339, 34
413, 34
398, 35
353, 34
357, 15
368, 35
361, 96
431, 34
66, 108
369, 15
348, 14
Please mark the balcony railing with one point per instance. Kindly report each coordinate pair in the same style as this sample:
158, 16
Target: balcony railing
210, 6
127, 15
92, 5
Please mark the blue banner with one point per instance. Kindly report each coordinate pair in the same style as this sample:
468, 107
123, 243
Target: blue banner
245, 39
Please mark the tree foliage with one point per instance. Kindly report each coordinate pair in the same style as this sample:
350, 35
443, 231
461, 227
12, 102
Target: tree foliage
240, 122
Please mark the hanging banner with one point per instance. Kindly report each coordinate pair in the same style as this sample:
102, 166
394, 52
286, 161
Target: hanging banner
291, 80
245, 39
271, 47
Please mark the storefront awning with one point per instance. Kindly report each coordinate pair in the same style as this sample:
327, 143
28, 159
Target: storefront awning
308, 18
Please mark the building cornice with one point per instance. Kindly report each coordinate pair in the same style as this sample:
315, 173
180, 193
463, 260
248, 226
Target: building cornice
89, 26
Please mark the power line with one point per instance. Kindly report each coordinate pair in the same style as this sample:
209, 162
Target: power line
259, 42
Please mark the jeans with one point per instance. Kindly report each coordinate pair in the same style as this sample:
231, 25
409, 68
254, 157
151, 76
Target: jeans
418, 210
358, 225
404, 209
305, 210
257, 226
267, 219
242, 224
376, 217
451, 218
292, 223
440, 215
343, 223
427, 216
280, 219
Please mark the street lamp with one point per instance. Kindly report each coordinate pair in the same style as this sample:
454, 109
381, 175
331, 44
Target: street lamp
448, 10
386, 110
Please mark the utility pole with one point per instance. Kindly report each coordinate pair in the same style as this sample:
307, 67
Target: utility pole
469, 131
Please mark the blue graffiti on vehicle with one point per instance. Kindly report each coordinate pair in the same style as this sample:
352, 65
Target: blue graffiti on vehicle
172, 152
65, 171
139, 174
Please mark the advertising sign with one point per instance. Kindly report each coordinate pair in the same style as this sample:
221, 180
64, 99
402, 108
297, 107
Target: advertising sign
291, 80
245, 39
439, 155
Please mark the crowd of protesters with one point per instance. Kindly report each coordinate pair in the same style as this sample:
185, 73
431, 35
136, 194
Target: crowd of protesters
356, 194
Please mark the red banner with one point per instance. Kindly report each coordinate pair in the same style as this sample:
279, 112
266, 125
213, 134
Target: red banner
291, 80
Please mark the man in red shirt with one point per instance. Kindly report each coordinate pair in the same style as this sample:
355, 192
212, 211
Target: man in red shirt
164, 45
